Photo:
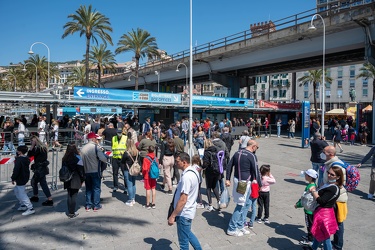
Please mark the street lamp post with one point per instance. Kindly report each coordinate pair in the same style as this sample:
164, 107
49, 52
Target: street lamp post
186, 68
312, 27
158, 75
36, 74
48, 56
191, 150
15, 80
130, 76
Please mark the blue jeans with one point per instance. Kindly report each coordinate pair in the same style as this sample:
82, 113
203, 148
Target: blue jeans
316, 165
21, 141
326, 244
338, 237
93, 190
278, 130
239, 215
253, 204
183, 137
8, 146
130, 183
185, 236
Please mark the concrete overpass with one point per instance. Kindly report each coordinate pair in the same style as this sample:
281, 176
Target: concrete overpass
233, 61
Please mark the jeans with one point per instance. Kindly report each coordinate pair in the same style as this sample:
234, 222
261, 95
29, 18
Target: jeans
21, 141
8, 146
130, 183
183, 137
72, 200
326, 244
278, 130
239, 215
93, 190
253, 204
338, 237
38, 178
320, 178
185, 236
316, 165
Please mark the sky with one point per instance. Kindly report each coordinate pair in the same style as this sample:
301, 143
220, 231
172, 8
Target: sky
25, 22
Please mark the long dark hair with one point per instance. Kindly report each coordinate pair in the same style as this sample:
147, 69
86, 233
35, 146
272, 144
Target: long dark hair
70, 152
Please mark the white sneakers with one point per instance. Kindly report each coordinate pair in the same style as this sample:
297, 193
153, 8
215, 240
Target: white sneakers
22, 208
237, 233
200, 205
210, 208
28, 212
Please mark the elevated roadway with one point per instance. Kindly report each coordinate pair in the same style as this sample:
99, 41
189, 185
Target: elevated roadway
233, 61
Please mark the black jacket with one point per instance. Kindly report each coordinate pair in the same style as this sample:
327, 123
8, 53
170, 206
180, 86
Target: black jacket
78, 173
317, 146
127, 160
21, 171
228, 140
247, 165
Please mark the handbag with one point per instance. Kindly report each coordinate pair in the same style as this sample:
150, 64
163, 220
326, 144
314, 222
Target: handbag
135, 168
171, 206
241, 185
254, 190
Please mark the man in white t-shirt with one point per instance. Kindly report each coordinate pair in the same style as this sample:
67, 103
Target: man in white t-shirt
185, 204
42, 129
20, 132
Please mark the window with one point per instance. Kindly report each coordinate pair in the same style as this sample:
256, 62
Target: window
352, 72
339, 84
364, 92
255, 87
339, 72
328, 93
217, 95
242, 95
365, 83
339, 93
328, 72
263, 87
223, 95
306, 94
264, 78
351, 83
282, 94
274, 94
317, 93
306, 87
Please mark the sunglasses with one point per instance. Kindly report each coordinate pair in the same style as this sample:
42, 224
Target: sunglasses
330, 174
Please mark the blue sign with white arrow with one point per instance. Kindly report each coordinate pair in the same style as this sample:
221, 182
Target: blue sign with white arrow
84, 93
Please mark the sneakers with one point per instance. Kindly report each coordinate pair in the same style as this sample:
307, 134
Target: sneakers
266, 221
266, 137
370, 196
170, 192
210, 208
133, 202
48, 203
341, 150
129, 203
34, 199
88, 209
237, 233
305, 243
71, 216
96, 209
200, 205
250, 225
259, 221
22, 208
29, 211
115, 189
153, 206
244, 231
147, 206
162, 186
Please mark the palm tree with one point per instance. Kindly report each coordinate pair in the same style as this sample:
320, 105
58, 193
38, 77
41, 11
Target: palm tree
42, 66
102, 59
314, 77
141, 43
368, 71
90, 23
78, 77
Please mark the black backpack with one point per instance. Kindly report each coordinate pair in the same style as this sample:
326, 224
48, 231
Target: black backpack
65, 174
214, 161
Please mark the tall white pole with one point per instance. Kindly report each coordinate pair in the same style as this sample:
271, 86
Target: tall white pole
191, 150
324, 73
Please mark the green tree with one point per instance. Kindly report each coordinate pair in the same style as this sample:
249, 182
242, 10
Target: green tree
42, 66
314, 77
102, 59
141, 43
90, 23
78, 77
368, 71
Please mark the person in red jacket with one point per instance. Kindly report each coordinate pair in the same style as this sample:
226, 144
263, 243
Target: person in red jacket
149, 183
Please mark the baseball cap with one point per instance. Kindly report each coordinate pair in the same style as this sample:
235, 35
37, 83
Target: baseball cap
119, 130
312, 173
92, 135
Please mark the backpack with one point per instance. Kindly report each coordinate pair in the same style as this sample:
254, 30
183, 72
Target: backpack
352, 175
309, 203
154, 168
135, 168
214, 163
65, 174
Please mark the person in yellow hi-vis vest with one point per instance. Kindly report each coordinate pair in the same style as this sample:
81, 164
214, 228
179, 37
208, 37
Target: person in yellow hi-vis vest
118, 149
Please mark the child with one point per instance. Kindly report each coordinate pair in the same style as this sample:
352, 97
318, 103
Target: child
310, 176
20, 177
197, 164
149, 183
264, 194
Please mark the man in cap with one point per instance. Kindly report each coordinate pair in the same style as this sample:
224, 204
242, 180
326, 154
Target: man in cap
118, 149
317, 145
91, 155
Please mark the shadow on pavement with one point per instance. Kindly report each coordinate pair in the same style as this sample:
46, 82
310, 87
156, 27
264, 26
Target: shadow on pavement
281, 244
218, 219
289, 230
161, 244
294, 181
288, 145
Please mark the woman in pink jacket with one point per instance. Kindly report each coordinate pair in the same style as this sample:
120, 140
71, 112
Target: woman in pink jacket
264, 194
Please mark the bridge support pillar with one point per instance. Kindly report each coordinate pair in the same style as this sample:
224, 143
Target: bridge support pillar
234, 83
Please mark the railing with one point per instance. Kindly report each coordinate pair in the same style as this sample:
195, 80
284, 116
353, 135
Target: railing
244, 36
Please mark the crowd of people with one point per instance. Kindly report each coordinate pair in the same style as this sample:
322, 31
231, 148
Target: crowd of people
155, 143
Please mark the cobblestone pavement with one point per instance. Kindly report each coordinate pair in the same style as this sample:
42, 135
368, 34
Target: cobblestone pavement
118, 226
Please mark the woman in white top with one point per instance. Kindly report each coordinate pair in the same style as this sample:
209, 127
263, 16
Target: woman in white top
55, 131
244, 139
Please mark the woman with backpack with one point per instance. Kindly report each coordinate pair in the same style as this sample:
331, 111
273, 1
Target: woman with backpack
128, 158
167, 154
212, 172
73, 161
